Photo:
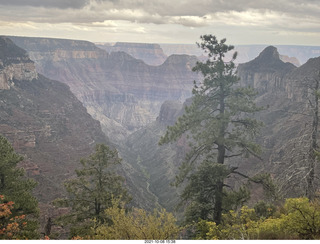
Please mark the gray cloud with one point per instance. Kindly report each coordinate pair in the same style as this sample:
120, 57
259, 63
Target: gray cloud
203, 7
63, 4
280, 14
155, 11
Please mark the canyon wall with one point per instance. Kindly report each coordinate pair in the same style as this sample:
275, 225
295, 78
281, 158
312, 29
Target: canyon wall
122, 92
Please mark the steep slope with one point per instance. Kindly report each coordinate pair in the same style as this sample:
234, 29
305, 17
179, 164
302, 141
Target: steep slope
287, 116
123, 93
290, 158
44, 121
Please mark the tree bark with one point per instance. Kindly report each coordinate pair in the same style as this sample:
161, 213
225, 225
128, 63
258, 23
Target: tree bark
220, 160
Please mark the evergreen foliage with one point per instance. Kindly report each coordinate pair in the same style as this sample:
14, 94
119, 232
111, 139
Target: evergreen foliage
18, 189
91, 192
218, 123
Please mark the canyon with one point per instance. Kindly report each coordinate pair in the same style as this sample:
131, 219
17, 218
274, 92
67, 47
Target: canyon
133, 98
122, 92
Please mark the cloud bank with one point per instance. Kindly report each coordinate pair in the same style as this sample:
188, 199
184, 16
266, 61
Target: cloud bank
282, 16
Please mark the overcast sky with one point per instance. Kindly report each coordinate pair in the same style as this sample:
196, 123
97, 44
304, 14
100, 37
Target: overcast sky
165, 21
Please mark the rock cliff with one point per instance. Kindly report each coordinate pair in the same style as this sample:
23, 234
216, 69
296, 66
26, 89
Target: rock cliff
14, 65
116, 88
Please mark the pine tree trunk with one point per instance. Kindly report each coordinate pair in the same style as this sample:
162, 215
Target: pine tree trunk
218, 203
220, 160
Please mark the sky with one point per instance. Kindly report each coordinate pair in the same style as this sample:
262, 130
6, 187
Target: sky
272, 22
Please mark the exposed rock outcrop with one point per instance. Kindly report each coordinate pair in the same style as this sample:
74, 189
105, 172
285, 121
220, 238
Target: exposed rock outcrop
14, 64
266, 72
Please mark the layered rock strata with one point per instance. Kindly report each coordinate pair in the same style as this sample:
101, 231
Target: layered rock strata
14, 66
116, 88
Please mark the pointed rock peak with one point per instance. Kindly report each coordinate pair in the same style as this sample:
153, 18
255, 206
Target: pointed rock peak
269, 53
268, 61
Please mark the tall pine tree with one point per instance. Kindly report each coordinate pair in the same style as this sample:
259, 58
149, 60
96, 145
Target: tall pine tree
92, 191
218, 123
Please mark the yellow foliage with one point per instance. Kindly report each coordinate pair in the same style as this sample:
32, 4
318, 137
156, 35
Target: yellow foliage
303, 217
137, 225
213, 232
299, 219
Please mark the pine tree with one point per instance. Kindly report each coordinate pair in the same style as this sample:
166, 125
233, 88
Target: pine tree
92, 191
18, 189
219, 121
